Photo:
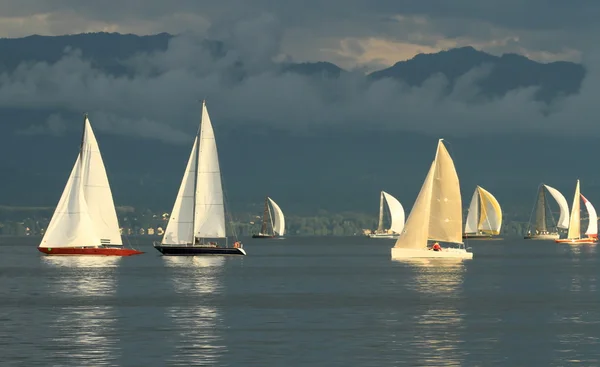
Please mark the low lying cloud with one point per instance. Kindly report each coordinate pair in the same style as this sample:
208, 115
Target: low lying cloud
243, 85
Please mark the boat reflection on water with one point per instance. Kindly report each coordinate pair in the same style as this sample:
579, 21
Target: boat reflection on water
196, 280
437, 326
84, 328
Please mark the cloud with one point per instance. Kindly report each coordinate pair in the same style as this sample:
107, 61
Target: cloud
159, 100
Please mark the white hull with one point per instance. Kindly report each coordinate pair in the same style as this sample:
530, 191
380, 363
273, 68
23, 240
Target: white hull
399, 253
550, 236
383, 235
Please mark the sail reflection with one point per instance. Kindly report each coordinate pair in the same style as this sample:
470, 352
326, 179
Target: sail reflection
437, 328
196, 280
86, 325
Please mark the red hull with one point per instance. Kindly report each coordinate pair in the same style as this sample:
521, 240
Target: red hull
580, 240
106, 251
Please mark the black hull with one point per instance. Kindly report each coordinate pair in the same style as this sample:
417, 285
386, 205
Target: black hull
262, 236
198, 251
477, 236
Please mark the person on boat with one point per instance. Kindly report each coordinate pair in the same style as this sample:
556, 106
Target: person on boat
436, 247
237, 244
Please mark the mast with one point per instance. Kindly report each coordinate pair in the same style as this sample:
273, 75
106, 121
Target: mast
196, 174
380, 225
263, 228
540, 213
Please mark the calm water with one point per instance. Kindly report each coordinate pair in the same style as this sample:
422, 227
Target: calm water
302, 302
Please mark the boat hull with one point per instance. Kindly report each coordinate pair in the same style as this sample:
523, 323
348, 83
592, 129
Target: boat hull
383, 235
198, 250
577, 241
550, 236
260, 235
447, 253
477, 236
90, 251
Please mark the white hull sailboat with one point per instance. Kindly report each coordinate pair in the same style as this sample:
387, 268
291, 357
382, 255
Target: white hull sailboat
574, 234
541, 229
435, 216
396, 218
277, 221
485, 216
197, 223
85, 220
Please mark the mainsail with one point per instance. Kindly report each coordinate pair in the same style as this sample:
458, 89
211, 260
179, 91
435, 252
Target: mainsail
278, 220
574, 223
436, 214
199, 210
85, 215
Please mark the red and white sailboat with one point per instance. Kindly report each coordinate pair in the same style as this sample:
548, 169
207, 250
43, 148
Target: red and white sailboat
85, 220
574, 234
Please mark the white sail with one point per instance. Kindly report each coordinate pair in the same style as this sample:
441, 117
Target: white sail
180, 229
279, 219
563, 220
574, 223
209, 217
96, 189
396, 212
592, 228
473, 216
490, 220
436, 214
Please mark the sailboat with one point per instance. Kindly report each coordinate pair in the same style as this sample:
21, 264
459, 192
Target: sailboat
485, 216
435, 216
541, 229
574, 234
197, 222
396, 216
85, 220
277, 221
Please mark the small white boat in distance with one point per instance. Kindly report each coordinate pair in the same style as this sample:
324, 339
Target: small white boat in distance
396, 217
435, 216
485, 216
542, 229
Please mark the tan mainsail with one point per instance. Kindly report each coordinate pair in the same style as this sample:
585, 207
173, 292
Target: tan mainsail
436, 214
575, 221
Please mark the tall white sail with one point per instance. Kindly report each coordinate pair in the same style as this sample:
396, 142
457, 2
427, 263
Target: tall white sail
490, 220
563, 220
180, 229
279, 219
574, 223
592, 229
473, 217
436, 214
396, 212
96, 189
209, 217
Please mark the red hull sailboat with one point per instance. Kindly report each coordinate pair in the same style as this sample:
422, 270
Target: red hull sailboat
85, 220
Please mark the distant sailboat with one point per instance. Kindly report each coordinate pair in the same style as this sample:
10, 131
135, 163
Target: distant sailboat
435, 216
485, 216
574, 234
541, 229
396, 217
85, 220
277, 221
197, 221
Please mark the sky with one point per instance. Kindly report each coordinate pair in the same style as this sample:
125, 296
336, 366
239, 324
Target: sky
160, 100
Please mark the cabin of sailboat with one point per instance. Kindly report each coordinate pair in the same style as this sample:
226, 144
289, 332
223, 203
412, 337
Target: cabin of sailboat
435, 216
574, 233
396, 218
197, 223
273, 222
485, 216
544, 227
85, 220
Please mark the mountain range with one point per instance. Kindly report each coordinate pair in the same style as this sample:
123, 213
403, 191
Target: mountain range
325, 168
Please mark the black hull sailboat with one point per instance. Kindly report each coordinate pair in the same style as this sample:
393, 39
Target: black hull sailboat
195, 250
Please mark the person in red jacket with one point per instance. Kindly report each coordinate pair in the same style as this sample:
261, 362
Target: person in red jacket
436, 247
